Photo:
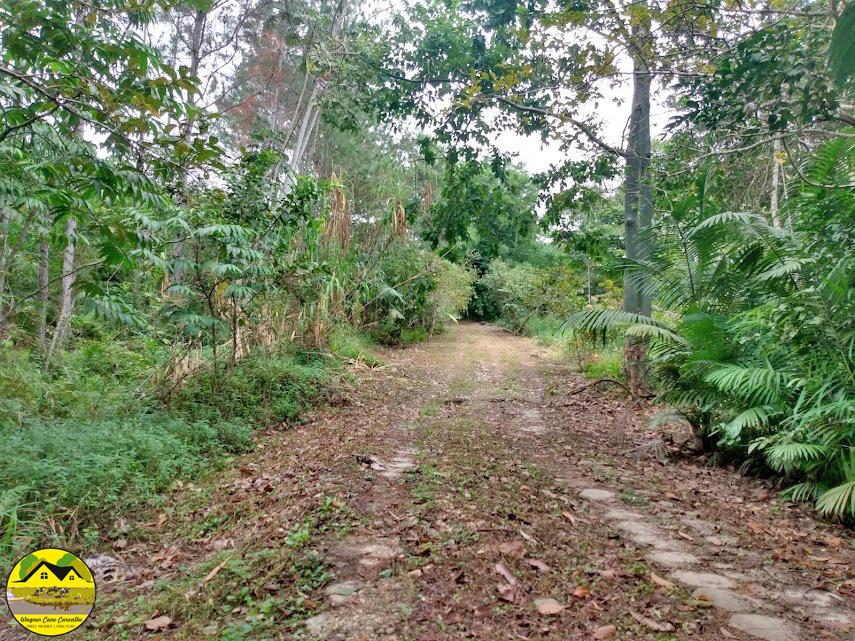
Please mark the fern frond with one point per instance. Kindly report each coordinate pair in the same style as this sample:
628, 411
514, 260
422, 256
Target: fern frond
745, 218
801, 492
751, 418
654, 331
785, 267
838, 501
786, 456
754, 384
600, 319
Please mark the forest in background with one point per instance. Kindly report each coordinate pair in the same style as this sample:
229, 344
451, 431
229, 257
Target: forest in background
208, 208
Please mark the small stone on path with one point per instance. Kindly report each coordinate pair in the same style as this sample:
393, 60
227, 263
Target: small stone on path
818, 598
342, 591
702, 579
619, 514
673, 559
641, 532
596, 494
763, 627
727, 599
703, 527
315, 625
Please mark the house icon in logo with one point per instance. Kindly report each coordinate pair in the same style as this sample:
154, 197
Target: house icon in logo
48, 575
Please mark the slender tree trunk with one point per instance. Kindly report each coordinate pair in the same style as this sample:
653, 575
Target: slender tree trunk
312, 110
5, 227
196, 37
589, 281
66, 306
776, 181
309, 116
44, 294
638, 207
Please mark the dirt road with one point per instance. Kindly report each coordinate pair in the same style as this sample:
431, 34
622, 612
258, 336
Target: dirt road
468, 489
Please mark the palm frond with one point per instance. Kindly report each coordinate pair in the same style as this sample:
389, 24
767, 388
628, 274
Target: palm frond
753, 417
803, 492
838, 501
786, 456
753, 384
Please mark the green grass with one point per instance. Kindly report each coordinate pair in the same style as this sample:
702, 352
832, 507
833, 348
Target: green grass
81, 472
607, 363
410, 336
594, 359
350, 344
92, 439
548, 329
262, 389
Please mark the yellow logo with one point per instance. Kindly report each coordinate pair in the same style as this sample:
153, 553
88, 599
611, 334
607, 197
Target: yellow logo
50, 592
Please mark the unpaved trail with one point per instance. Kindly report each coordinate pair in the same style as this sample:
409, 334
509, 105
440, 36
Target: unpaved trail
465, 492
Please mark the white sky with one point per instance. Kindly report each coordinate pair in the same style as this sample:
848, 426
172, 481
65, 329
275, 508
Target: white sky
538, 157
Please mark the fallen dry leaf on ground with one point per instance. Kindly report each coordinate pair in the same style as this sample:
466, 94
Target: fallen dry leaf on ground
548, 606
502, 569
216, 570
538, 565
515, 549
158, 623
661, 582
658, 626
605, 632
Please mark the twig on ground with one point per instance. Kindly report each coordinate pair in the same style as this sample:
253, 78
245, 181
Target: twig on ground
597, 382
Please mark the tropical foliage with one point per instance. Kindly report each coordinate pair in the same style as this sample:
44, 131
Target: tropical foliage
755, 343
206, 208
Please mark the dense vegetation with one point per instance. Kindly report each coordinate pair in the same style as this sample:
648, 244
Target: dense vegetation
206, 208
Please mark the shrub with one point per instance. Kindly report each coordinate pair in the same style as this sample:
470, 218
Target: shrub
99, 378
346, 342
261, 389
416, 290
452, 291
516, 295
89, 469
757, 350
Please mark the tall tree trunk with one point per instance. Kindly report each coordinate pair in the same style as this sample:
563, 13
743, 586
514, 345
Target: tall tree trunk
197, 36
5, 227
638, 206
44, 294
306, 125
311, 112
590, 298
66, 306
776, 182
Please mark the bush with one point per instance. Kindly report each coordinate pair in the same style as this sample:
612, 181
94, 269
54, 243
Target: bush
261, 389
417, 290
513, 295
99, 378
452, 291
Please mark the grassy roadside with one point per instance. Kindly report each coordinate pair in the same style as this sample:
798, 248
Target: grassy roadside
97, 437
255, 588
593, 357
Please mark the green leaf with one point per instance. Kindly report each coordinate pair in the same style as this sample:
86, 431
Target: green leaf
841, 52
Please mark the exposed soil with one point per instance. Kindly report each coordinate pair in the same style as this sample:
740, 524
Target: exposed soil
471, 488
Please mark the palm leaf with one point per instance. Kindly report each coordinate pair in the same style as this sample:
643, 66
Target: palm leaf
838, 501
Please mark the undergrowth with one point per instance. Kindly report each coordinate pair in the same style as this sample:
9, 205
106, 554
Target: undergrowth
65, 477
349, 344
